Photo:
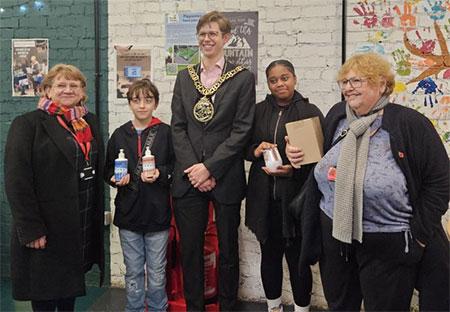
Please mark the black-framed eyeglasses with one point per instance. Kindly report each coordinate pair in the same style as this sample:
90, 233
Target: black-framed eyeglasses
355, 82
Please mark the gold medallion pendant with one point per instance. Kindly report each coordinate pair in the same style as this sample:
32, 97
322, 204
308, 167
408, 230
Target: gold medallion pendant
203, 110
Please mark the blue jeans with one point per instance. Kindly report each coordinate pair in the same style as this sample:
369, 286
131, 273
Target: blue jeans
145, 250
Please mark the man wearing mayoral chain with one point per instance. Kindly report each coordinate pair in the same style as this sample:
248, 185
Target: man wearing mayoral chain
212, 113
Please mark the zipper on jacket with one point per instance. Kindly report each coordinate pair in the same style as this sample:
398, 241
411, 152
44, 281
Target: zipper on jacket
275, 142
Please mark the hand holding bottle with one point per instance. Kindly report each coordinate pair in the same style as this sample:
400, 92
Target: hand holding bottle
261, 147
150, 178
280, 171
123, 181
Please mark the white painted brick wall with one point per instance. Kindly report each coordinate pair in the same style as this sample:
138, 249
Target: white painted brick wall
306, 32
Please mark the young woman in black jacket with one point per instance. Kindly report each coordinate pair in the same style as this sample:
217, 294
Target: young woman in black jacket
270, 192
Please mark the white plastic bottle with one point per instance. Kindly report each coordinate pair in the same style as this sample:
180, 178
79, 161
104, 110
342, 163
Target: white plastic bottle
272, 158
148, 163
120, 166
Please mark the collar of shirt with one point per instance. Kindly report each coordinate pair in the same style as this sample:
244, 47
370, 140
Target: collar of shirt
209, 76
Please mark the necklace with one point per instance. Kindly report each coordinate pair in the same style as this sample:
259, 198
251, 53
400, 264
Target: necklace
204, 110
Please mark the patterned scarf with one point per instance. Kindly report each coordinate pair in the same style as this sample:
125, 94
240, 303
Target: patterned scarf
350, 171
74, 115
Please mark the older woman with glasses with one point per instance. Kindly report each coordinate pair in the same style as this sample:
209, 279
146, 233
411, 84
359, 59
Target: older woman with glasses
379, 192
53, 161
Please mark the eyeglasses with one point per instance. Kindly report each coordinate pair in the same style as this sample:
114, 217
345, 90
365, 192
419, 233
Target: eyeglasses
147, 100
63, 87
354, 82
211, 34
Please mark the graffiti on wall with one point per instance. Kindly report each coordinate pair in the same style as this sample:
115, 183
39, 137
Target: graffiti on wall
414, 36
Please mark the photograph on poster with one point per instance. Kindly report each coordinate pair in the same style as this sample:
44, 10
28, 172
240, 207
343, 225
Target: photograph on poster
132, 63
29, 65
181, 41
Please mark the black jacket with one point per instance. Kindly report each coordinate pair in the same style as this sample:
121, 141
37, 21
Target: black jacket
145, 207
41, 184
218, 144
421, 156
262, 187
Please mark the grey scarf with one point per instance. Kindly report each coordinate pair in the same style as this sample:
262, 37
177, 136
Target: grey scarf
350, 171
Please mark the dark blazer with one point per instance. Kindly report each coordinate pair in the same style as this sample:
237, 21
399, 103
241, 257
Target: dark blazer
220, 143
42, 189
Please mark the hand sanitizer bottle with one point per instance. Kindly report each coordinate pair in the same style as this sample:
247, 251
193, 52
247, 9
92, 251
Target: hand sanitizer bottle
272, 158
148, 163
120, 166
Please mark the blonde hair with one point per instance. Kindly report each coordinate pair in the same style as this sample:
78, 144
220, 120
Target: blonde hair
67, 71
373, 67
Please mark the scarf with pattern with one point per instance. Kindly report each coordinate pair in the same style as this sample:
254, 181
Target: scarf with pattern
73, 115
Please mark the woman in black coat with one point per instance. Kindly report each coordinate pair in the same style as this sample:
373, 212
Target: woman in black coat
270, 192
54, 188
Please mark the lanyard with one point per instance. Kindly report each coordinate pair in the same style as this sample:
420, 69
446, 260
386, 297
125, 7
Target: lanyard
84, 148
139, 145
150, 137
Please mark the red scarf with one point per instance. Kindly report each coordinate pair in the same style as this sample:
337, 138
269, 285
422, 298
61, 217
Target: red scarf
74, 115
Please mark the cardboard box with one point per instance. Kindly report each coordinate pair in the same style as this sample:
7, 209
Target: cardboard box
307, 135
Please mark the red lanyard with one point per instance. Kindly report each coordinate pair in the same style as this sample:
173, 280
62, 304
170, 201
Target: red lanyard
84, 148
139, 145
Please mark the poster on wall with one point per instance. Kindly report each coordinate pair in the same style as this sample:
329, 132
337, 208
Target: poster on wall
28, 66
242, 48
181, 41
413, 36
132, 63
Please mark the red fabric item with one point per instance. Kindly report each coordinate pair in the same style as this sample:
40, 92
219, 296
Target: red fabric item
154, 121
74, 115
174, 271
211, 257
180, 306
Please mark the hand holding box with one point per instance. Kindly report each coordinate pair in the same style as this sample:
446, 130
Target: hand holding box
307, 135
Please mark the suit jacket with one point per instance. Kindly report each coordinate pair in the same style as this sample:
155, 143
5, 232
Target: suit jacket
41, 184
219, 144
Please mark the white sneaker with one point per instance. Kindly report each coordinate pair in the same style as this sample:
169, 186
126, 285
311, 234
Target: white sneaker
277, 309
274, 305
301, 309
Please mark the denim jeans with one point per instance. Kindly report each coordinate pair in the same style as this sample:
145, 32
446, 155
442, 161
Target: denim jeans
145, 250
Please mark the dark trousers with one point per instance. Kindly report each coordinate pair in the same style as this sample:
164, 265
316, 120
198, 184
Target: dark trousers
66, 304
381, 271
191, 216
272, 252
434, 274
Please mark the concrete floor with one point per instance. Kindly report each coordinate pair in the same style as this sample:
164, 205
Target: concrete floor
102, 300
114, 300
